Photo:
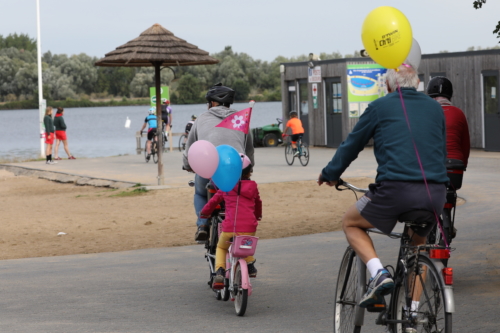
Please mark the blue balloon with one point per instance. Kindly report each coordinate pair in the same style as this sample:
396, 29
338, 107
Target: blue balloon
228, 172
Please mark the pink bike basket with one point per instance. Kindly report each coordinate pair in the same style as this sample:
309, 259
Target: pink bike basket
244, 246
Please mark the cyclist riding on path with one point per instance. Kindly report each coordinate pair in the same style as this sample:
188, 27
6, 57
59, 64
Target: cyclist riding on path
166, 115
297, 130
188, 129
457, 129
152, 124
400, 185
219, 99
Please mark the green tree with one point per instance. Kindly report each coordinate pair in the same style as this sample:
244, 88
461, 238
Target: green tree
242, 89
188, 90
21, 42
479, 4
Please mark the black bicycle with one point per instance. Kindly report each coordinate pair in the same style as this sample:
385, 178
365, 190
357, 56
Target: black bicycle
154, 149
419, 276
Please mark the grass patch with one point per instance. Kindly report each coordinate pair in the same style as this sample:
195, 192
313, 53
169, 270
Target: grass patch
137, 191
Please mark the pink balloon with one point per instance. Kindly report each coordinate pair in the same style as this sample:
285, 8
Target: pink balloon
245, 161
203, 158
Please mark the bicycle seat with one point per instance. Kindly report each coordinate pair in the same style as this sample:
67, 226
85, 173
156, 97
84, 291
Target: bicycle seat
421, 221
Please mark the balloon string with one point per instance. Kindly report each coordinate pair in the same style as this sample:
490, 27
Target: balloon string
421, 166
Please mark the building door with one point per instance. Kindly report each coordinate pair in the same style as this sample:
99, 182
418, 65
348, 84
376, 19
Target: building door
304, 108
491, 109
333, 112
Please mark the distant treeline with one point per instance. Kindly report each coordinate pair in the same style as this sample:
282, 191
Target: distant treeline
75, 81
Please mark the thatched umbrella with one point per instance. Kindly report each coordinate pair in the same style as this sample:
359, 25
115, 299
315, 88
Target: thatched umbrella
157, 47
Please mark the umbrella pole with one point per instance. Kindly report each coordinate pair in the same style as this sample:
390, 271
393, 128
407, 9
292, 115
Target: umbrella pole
159, 132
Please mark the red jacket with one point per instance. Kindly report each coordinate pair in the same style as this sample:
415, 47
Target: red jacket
457, 133
249, 207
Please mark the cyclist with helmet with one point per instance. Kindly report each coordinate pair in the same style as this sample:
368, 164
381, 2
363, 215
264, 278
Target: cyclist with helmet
166, 114
152, 124
187, 130
457, 129
297, 130
219, 98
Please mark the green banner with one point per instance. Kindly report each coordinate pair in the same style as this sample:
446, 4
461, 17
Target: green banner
365, 83
164, 95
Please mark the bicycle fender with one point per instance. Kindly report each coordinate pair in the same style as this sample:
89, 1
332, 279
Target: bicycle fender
449, 304
245, 280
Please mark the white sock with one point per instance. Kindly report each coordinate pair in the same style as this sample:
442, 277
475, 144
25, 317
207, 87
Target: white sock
373, 266
414, 305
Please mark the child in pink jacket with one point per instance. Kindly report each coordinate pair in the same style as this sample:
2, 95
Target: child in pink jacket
248, 213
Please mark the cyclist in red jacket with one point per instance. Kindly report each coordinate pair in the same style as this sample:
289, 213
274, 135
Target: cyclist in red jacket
457, 130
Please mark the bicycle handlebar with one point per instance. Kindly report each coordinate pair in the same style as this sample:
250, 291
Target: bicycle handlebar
349, 186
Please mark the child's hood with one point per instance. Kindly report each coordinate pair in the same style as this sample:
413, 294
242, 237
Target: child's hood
248, 189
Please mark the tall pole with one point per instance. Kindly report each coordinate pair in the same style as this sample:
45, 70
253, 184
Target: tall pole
159, 132
41, 103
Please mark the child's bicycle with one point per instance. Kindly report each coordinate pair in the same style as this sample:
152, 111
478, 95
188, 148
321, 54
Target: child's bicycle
237, 282
302, 149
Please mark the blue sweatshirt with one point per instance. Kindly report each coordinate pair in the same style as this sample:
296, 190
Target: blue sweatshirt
384, 121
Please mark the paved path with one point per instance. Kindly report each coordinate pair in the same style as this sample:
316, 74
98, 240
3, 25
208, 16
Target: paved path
164, 290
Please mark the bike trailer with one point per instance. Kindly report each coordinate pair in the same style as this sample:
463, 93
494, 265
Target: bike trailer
244, 246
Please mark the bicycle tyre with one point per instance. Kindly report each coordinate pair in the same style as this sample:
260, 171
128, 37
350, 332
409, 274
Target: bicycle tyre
432, 300
181, 142
240, 294
224, 292
154, 151
146, 151
346, 304
304, 154
289, 154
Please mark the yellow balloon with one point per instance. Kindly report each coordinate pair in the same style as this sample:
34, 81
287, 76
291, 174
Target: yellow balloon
387, 36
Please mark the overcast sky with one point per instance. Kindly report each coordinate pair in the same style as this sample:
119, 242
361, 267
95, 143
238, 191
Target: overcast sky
264, 29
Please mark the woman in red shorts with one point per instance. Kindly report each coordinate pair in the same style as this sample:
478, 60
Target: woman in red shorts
49, 134
61, 134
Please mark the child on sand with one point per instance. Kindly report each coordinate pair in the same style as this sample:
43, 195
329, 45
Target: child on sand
247, 209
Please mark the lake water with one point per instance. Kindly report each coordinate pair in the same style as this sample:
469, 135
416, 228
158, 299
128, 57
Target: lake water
100, 131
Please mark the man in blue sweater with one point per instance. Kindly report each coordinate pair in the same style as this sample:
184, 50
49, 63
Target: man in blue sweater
400, 185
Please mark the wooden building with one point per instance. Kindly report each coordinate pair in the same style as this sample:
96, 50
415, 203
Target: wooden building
321, 91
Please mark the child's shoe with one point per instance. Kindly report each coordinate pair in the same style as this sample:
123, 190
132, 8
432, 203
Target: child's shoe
252, 271
219, 279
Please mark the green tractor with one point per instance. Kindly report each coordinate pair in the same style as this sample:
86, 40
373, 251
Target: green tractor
268, 136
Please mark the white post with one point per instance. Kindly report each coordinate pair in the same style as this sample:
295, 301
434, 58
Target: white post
41, 103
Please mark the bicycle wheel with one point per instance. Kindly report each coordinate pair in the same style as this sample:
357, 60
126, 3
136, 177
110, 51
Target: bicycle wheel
224, 293
346, 293
146, 151
182, 145
425, 284
304, 154
240, 294
154, 151
289, 154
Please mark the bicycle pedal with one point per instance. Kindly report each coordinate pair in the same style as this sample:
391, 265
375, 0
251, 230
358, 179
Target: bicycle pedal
376, 307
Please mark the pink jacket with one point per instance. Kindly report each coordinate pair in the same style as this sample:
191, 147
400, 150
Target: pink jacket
249, 207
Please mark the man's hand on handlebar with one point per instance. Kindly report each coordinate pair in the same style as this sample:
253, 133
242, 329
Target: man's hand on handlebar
322, 180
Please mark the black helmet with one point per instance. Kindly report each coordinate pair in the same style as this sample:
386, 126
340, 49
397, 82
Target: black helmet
220, 94
292, 113
440, 86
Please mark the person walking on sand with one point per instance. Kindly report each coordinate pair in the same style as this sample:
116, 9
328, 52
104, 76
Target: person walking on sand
49, 134
60, 126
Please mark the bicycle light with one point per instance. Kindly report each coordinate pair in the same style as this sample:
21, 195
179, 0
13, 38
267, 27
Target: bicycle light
448, 275
439, 254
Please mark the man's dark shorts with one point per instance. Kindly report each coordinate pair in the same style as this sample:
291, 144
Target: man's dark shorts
151, 133
386, 200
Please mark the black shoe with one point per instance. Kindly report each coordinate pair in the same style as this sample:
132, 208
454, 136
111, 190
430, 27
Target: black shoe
148, 157
201, 233
219, 279
252, 271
